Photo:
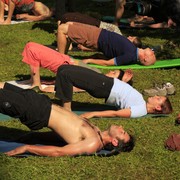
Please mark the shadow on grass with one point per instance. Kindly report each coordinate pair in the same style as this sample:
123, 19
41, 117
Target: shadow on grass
48, 27
30, 137
25, 77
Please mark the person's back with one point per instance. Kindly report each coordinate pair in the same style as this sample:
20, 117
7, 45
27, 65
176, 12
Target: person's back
116, 46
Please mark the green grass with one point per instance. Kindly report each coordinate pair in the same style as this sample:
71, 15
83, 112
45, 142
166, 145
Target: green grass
148, 160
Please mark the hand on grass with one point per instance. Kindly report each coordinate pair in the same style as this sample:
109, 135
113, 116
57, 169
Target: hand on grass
88, 115
19, 150
86, 61
21, 16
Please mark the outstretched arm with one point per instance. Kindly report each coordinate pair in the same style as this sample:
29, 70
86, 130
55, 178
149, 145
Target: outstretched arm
126, 113
103, 62
155, 26
86, 146
28, 17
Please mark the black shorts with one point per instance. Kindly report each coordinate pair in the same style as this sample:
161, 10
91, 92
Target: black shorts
31, 108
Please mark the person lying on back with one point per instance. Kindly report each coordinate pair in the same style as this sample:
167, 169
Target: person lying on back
117, 49
37, 111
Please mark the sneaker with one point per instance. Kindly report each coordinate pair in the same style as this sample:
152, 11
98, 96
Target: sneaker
169, 88
156, 91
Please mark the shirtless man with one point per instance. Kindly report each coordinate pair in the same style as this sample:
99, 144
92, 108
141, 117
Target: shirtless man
28, 10
37, 111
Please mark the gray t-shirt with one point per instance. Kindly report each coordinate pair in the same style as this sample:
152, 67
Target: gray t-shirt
124, 96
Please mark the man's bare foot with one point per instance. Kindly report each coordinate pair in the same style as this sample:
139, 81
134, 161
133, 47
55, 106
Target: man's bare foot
128, 75
1, 21
82, 48
49, 89
6, 22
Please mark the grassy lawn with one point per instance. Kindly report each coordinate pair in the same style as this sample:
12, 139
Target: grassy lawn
148, 160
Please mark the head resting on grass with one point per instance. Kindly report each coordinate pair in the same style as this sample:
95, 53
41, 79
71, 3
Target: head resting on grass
159, 105
121, 140
146, 56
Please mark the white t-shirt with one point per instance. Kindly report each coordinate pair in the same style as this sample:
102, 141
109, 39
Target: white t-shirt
124, 96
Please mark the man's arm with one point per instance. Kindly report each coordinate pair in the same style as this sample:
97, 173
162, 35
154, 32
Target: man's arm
87, 146
28, 17
103, 62
126, 113
155, 25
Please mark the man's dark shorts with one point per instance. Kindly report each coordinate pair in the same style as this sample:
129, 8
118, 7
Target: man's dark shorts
31, 108
84, 34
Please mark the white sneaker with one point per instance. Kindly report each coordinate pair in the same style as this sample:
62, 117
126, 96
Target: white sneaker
169, 88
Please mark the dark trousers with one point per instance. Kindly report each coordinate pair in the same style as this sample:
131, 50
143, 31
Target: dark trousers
31, 108
96, 84
60, 8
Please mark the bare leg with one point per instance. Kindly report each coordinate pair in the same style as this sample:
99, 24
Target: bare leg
2, 85
77, 90
81, 47
128, 75
10, 12
61, 38
35, 77
67, 106
49, 89
2, 6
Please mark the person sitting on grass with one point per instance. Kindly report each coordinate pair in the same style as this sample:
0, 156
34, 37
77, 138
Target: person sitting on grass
118, 49
128, 101
81, 136
37, 55
28, 10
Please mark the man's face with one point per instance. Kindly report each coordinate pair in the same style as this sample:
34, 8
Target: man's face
113, 74
149, 57
156, 100
119, 133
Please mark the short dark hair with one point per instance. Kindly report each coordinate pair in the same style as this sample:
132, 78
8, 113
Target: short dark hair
166, 107
137, 42
122, 146
121, 74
